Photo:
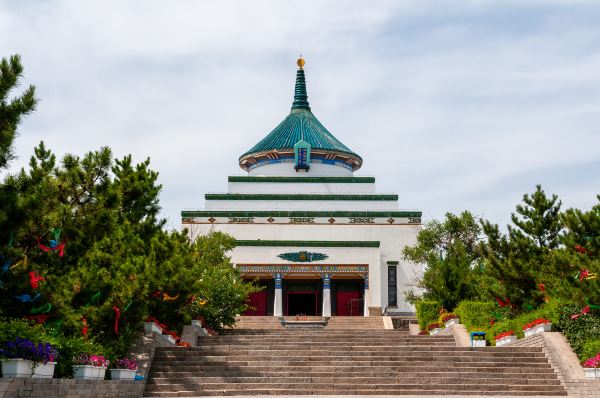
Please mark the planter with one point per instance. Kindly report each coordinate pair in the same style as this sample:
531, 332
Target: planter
16, 367
478, 343
88, 372
435, 331
196, 323
150, 327
122, 374
592, 373
546, 327
506, 340
169, 338
42, 371
453, 321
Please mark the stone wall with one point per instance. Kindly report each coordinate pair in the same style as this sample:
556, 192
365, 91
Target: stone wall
69, 388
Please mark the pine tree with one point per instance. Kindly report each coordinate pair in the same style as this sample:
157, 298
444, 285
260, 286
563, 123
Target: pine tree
13, 110
520, 260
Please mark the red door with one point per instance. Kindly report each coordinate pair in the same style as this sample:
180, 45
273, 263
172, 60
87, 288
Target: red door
258, 300
345, 301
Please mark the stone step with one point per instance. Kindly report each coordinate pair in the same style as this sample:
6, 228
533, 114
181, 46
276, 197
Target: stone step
281, 392
342, 387
341, 351
367, 372
362, 380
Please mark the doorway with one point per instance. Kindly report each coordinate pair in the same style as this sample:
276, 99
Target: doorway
301, 303
258, 304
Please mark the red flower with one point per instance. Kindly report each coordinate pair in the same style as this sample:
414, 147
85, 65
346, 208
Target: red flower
448, 317
504, 334
539, 321
433, 326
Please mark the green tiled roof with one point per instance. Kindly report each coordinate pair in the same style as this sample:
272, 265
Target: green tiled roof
300, 124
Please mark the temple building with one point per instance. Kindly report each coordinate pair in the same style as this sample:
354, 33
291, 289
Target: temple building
317, 237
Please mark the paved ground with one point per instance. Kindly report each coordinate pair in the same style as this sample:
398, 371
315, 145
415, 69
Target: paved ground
388, 396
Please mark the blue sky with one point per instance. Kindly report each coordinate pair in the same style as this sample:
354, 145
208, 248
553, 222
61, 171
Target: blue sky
452, 104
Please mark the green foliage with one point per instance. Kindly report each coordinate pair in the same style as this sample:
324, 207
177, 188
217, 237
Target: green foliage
428, 311
590, 349
453, 270
519, 261
13, 110
117, 256
580, 332
476, 315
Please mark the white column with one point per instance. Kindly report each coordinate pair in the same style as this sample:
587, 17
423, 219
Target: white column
278, 302
326, 295
366, 295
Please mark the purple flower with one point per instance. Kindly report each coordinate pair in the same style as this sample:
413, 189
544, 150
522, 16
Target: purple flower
126, 363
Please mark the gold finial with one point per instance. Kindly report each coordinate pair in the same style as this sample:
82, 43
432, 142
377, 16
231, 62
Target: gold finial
300, 62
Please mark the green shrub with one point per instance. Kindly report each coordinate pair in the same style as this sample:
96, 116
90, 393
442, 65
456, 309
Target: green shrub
590, 349
427, 312
476, 314
579, 331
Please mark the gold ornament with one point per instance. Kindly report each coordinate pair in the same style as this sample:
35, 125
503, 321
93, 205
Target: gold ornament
300, 62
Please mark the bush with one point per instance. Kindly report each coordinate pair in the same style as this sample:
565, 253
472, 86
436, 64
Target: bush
590, 349
427, 312
580, 332
476, 314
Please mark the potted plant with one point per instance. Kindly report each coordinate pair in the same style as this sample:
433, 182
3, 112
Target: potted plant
434, 328
124, 369
591, 367
152, 325
45, 357
505, 338
538, 326
450, 319
18, 358
89, 367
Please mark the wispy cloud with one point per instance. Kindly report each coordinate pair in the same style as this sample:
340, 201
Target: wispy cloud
453, 105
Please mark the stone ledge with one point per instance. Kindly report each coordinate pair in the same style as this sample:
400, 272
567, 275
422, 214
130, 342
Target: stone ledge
70, 388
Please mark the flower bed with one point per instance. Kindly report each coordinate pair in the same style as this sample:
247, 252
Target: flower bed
90, 367
591, 367
450, 319
24, 358
538, 326
125, 369
505, 338
434, 328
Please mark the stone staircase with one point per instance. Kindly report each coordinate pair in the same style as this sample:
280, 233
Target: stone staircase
251, 323
279, 361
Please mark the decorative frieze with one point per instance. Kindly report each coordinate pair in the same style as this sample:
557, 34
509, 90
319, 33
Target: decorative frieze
361, 220
307, 243
302, 220
286, 269
281, 179
241, 220
303, 257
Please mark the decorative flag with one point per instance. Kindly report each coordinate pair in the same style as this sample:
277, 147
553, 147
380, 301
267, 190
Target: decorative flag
117, 316
26, 298
42, 309
166, 297
35, 279
84, 328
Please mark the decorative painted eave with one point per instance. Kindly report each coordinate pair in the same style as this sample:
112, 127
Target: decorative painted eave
320, 180
300, 124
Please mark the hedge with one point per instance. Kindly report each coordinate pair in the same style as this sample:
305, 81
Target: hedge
427, 312
476, 314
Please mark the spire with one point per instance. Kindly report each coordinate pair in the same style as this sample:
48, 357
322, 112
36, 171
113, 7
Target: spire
300, 95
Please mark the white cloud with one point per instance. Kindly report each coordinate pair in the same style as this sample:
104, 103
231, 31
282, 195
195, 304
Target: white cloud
454, 105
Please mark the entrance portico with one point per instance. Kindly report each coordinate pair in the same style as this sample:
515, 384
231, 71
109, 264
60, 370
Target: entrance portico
309, 289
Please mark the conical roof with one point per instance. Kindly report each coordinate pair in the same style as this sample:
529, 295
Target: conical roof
300, 124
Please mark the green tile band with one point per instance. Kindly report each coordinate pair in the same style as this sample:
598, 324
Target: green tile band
308, 243
243, 196
276, 179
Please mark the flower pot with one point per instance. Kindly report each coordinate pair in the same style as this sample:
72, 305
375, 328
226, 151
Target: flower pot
453, 321
150, 327
592, 373
546, 327
88, 372
478, 343
42, 371
435, 331
122, 374
506, 340
16, 367
169, 338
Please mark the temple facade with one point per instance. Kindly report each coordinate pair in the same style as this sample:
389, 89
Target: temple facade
320, 239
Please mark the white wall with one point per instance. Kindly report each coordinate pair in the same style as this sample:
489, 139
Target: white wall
287, 169
306, 205
308, 187
393, 239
